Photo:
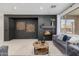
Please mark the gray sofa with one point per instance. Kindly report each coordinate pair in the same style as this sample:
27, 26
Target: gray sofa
65, 47
61, 45
73, 50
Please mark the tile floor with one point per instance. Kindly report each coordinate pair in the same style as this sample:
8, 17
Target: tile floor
24, 47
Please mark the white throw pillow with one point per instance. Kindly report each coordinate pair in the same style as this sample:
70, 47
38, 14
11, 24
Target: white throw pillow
60, 37
74, 40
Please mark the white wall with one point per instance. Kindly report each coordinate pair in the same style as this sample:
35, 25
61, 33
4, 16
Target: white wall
58, 24
1, 28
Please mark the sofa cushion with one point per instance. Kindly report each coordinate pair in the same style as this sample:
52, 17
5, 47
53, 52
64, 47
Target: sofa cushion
61, 43
74, 40
60, 37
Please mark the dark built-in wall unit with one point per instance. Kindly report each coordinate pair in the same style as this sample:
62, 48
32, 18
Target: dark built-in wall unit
10, 22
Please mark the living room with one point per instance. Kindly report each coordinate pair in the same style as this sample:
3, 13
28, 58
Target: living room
31, 29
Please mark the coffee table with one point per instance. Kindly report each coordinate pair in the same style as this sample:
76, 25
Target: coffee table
40, 48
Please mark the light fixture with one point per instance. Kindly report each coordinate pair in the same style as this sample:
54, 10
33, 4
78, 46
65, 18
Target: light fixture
41, 8
53, 6
15, 7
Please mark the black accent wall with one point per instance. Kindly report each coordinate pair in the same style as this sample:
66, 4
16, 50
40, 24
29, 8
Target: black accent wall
42, 19
46, 20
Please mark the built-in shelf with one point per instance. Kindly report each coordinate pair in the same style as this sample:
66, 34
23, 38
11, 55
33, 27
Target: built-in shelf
50, 27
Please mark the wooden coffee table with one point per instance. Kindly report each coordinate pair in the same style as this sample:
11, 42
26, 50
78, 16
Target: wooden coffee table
40, 48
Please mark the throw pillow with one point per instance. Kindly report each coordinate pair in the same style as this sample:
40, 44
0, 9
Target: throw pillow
60, 37
74, 40
65, 38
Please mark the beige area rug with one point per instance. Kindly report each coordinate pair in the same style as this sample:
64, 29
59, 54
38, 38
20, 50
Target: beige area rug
24, 47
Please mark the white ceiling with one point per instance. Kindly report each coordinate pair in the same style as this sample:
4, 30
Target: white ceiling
33, 8
74, 12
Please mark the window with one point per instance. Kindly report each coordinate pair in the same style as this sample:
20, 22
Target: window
68, 26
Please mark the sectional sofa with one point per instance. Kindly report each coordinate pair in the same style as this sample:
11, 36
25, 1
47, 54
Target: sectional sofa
67, 44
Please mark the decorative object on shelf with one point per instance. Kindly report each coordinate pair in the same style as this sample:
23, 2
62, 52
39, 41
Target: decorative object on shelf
41, 25
47, 35
53, 20
47, 32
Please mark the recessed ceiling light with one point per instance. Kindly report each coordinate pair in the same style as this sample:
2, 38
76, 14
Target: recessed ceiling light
41, 8
15, 7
